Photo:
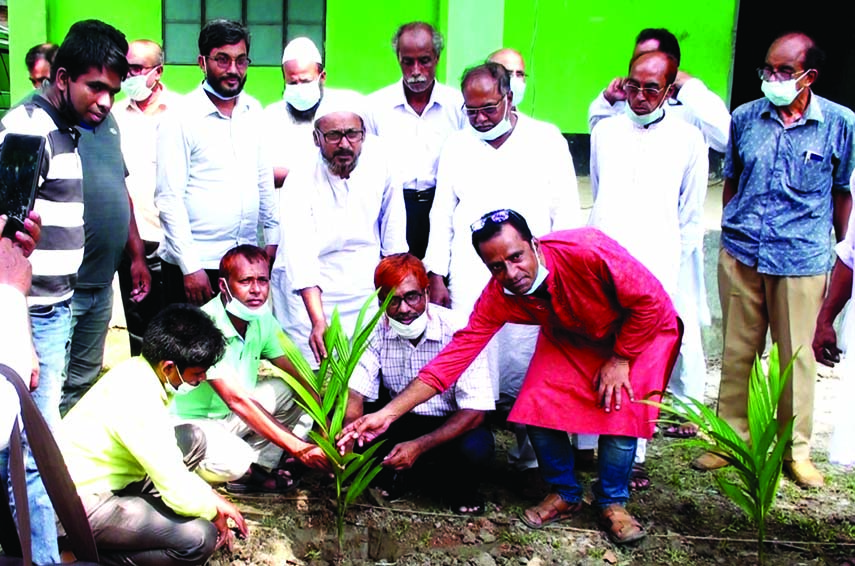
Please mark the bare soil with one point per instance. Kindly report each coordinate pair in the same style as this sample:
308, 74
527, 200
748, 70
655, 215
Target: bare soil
687, 519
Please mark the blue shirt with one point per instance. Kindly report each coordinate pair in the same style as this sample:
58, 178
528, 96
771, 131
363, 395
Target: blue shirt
780, 219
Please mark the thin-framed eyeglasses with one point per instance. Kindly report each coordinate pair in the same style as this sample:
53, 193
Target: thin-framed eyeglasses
224, 62
766, 73
647, 92
335, 136
134, 70
413, 299
518, 73
490, 110
496, 217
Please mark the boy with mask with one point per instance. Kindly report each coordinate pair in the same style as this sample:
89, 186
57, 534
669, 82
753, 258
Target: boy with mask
247, 422
132, 468
449, 430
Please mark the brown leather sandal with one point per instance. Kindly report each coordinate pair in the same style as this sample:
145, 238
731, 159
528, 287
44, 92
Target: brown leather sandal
621, 527
550, 510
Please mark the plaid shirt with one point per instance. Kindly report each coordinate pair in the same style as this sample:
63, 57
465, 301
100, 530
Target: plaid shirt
399, 362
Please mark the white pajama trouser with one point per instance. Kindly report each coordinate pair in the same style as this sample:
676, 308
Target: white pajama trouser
232, 445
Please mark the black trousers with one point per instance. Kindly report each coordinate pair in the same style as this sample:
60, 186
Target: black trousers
418, 205
138, 315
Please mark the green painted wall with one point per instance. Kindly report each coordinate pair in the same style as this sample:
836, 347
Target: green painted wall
573, 49
27, 27
359, 40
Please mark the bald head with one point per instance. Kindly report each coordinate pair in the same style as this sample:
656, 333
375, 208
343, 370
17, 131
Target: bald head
148, 50
797, 48
510, 59
655, 63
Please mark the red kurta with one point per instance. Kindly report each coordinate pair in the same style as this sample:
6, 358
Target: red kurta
602, 302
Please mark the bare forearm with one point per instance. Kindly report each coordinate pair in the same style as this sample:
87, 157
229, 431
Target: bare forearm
413, 395
134, 246
354, 407
728, 191
314, 305
839, 291
459, 423
842, 208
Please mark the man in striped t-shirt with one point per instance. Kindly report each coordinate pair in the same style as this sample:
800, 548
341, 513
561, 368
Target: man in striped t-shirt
86, 74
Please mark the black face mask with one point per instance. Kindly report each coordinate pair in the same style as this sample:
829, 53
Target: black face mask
67, 110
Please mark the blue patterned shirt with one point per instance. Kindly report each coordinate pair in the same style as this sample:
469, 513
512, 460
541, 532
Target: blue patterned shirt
780, 219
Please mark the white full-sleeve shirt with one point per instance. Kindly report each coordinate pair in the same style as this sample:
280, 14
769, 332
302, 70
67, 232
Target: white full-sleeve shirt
414, 141
334, 232
649, 185
214, 181
531, 173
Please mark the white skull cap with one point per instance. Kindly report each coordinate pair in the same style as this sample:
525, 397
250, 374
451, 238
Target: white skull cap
302, 49
341, 101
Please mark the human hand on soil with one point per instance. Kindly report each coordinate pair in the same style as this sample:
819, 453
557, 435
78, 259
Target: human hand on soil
403, 456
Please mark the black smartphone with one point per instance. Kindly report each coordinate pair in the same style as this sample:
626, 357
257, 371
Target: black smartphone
20, 165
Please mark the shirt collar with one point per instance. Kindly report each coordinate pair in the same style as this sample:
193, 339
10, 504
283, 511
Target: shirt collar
222, 320
163, 101
812, 112
401, 97
205, 107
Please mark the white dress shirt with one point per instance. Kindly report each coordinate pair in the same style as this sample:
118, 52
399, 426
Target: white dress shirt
395, 362
531, 173
214, 181
695, 104
649, 185
334, 232
139, 148
414, 140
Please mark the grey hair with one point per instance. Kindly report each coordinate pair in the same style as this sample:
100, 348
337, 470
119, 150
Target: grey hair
436, 37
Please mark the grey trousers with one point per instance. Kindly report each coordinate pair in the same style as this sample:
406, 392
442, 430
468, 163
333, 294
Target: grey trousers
134, 526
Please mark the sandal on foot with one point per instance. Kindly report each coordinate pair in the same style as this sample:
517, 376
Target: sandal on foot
638, 478
259, 480
550, 510
621, 527
682, 430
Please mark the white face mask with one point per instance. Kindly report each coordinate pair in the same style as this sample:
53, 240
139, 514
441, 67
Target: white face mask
646, 119
136, 87
409, 331
243, 312
303, 96
518, 88
782, 93
503, 127
542, 272
184, 388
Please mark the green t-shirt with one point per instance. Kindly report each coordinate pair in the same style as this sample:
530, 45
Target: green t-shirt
239, 363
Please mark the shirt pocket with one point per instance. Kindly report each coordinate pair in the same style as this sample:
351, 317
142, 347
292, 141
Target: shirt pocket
812, 173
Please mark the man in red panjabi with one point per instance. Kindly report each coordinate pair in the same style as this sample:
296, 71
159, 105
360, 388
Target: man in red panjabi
608, 332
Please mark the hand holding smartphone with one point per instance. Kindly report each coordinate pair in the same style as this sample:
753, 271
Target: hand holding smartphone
20, 167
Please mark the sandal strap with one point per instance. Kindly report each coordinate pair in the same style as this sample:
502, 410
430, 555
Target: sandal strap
619, 520
553, 505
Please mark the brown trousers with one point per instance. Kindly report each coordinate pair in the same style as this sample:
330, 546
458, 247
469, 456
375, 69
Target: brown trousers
751, 303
